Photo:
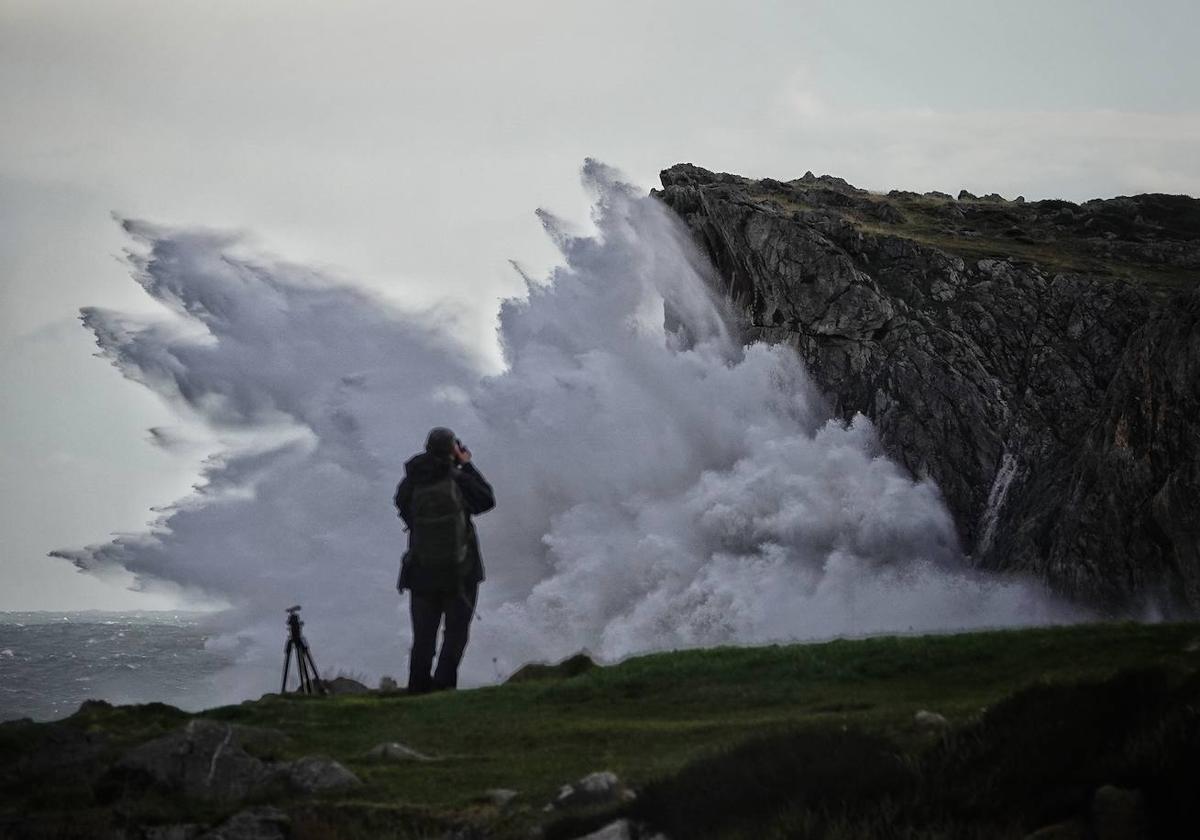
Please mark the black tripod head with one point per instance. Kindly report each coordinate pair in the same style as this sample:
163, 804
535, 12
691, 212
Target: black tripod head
294, 623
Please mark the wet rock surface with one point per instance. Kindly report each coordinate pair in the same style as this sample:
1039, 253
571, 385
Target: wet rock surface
1038, 360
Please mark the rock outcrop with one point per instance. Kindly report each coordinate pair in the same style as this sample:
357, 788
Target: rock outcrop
216, 761
1039, 360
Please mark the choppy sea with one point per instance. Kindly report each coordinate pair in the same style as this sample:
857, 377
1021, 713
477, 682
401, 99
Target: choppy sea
52, 662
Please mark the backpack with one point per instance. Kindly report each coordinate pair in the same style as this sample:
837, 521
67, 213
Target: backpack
437, 540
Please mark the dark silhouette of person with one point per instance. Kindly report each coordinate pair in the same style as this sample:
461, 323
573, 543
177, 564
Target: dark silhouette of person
435, 593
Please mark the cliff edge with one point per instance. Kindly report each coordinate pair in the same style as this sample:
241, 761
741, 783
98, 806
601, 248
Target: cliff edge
1039, 360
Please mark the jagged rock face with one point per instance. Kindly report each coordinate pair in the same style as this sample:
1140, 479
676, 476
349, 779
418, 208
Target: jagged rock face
1053, 403
1140, 465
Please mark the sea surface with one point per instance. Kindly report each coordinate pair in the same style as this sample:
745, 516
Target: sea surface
51, 662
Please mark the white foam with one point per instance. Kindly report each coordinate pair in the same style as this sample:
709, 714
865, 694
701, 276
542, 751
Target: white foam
657, 488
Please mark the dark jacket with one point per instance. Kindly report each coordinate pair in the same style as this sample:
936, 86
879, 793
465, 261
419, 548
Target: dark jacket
477, 494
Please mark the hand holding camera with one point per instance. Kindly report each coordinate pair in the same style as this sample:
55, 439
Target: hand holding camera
462, 455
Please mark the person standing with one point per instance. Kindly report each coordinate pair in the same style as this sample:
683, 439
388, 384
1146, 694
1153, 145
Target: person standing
442, 567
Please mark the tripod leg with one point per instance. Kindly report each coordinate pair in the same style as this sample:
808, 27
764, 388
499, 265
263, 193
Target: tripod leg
287, 661
307, 653
305, 680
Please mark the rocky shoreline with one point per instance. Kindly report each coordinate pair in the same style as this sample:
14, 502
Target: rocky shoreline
1073, 732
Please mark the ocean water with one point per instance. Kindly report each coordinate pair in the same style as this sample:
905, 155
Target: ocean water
52, 662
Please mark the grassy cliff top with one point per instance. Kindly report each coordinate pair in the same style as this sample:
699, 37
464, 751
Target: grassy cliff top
652, 720
1151, 239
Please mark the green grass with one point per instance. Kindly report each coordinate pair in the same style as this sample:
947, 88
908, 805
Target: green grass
924, 225
647, 719
1058, 256
650, 715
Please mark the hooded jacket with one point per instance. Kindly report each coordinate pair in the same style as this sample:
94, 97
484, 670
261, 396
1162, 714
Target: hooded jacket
477, 496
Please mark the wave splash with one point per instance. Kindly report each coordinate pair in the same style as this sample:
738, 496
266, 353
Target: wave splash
659, 485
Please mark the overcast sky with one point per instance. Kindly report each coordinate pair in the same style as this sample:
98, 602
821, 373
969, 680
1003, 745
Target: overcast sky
404, 146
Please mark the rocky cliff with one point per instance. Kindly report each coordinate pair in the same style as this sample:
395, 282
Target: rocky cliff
1039, 360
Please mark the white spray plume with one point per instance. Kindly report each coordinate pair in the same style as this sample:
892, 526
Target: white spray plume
658, 486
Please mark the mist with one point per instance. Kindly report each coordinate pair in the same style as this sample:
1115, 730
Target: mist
659, 485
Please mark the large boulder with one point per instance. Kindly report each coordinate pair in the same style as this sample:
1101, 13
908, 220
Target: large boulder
203, 760
210, 760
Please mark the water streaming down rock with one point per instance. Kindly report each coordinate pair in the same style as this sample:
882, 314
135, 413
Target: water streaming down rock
995, 501
659, 484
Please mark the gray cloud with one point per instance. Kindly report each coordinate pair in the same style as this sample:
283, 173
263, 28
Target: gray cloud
398, 147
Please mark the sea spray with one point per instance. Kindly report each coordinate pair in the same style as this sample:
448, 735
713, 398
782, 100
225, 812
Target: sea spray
659, 485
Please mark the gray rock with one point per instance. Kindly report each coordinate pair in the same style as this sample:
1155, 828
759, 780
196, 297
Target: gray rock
623, 830
387, 683
886, 212
619, 830
345, 685
265, 823
204, 760
500, 797
395, 751
930, 720
1119, 814
1056, 409
1134, 485
600, 788
317, 774
209, 760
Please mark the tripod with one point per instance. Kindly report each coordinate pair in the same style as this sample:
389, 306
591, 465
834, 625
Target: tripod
310, 679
